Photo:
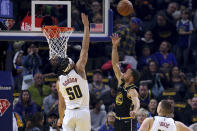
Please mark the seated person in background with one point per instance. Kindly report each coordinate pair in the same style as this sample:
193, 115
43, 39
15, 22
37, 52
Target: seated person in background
37, 122
108, 97
50, 68
109, 123
145, 58
179, 82
190, 115
50, 102
31, 65
25, 107
179, 108
52, 122
97, 87
152, 107
97, 116
38, 90
144, 95
157, 80
146, 41
192, 91
141, 115
164, 57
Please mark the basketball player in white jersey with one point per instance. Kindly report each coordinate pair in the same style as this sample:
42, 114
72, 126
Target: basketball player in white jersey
163, 122
73, 89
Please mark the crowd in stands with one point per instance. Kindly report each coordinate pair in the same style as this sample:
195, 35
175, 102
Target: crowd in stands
159, 40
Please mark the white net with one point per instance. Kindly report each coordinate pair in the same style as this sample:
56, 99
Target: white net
57, 39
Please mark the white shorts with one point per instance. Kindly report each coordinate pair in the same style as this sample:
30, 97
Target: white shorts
76, 120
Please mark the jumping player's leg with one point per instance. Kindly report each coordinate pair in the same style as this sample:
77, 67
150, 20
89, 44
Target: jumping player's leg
68, 121
83, 122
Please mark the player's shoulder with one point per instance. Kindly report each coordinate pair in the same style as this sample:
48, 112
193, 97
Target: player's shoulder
181, 127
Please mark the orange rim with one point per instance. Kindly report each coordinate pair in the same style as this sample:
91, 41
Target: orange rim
62, 29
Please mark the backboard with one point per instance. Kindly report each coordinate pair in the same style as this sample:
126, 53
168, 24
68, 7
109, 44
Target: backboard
27, 21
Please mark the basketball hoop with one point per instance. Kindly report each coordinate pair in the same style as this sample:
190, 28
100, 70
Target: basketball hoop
57, 38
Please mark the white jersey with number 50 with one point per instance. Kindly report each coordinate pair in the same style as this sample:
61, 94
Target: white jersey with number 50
163, 124
74, 89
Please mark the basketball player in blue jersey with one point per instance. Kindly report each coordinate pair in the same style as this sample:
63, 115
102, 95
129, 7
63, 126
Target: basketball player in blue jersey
127, 102
73, 89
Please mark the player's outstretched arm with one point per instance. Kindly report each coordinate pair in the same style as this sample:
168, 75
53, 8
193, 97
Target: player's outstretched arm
181, 127
115, 58
145, 124
61, 106
81, 63
135, 100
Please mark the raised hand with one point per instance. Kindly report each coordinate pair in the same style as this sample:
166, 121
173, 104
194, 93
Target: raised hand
115, 39
85, 20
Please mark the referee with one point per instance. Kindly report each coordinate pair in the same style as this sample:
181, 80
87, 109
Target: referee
127, 102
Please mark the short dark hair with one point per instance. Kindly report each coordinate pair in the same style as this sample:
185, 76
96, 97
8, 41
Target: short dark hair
62, 65
166, 107
136, 75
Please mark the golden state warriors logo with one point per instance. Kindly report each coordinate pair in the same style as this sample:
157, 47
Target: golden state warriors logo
119, 99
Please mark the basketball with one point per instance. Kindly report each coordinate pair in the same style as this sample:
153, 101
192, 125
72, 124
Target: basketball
125, 7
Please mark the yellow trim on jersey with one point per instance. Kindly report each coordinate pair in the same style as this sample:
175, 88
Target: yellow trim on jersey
123, 118
131, 125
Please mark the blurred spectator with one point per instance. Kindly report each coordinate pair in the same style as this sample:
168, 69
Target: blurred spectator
164, 57
32, 61
97, 18
179, 108
144, 95
75, 20
192, 91
177, 14
97, 87
145, 11
108, 97
178, 82
52, 119
37, 122
109, 123
97, 116
38, 90
156, 80
145, 58
25, 107
128, 36
17, 71
152, 107
141, 115
50, 68
50, 102
172, 7
146, 41
163, 30
31, 65
190, 115
96, 8
184, 28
